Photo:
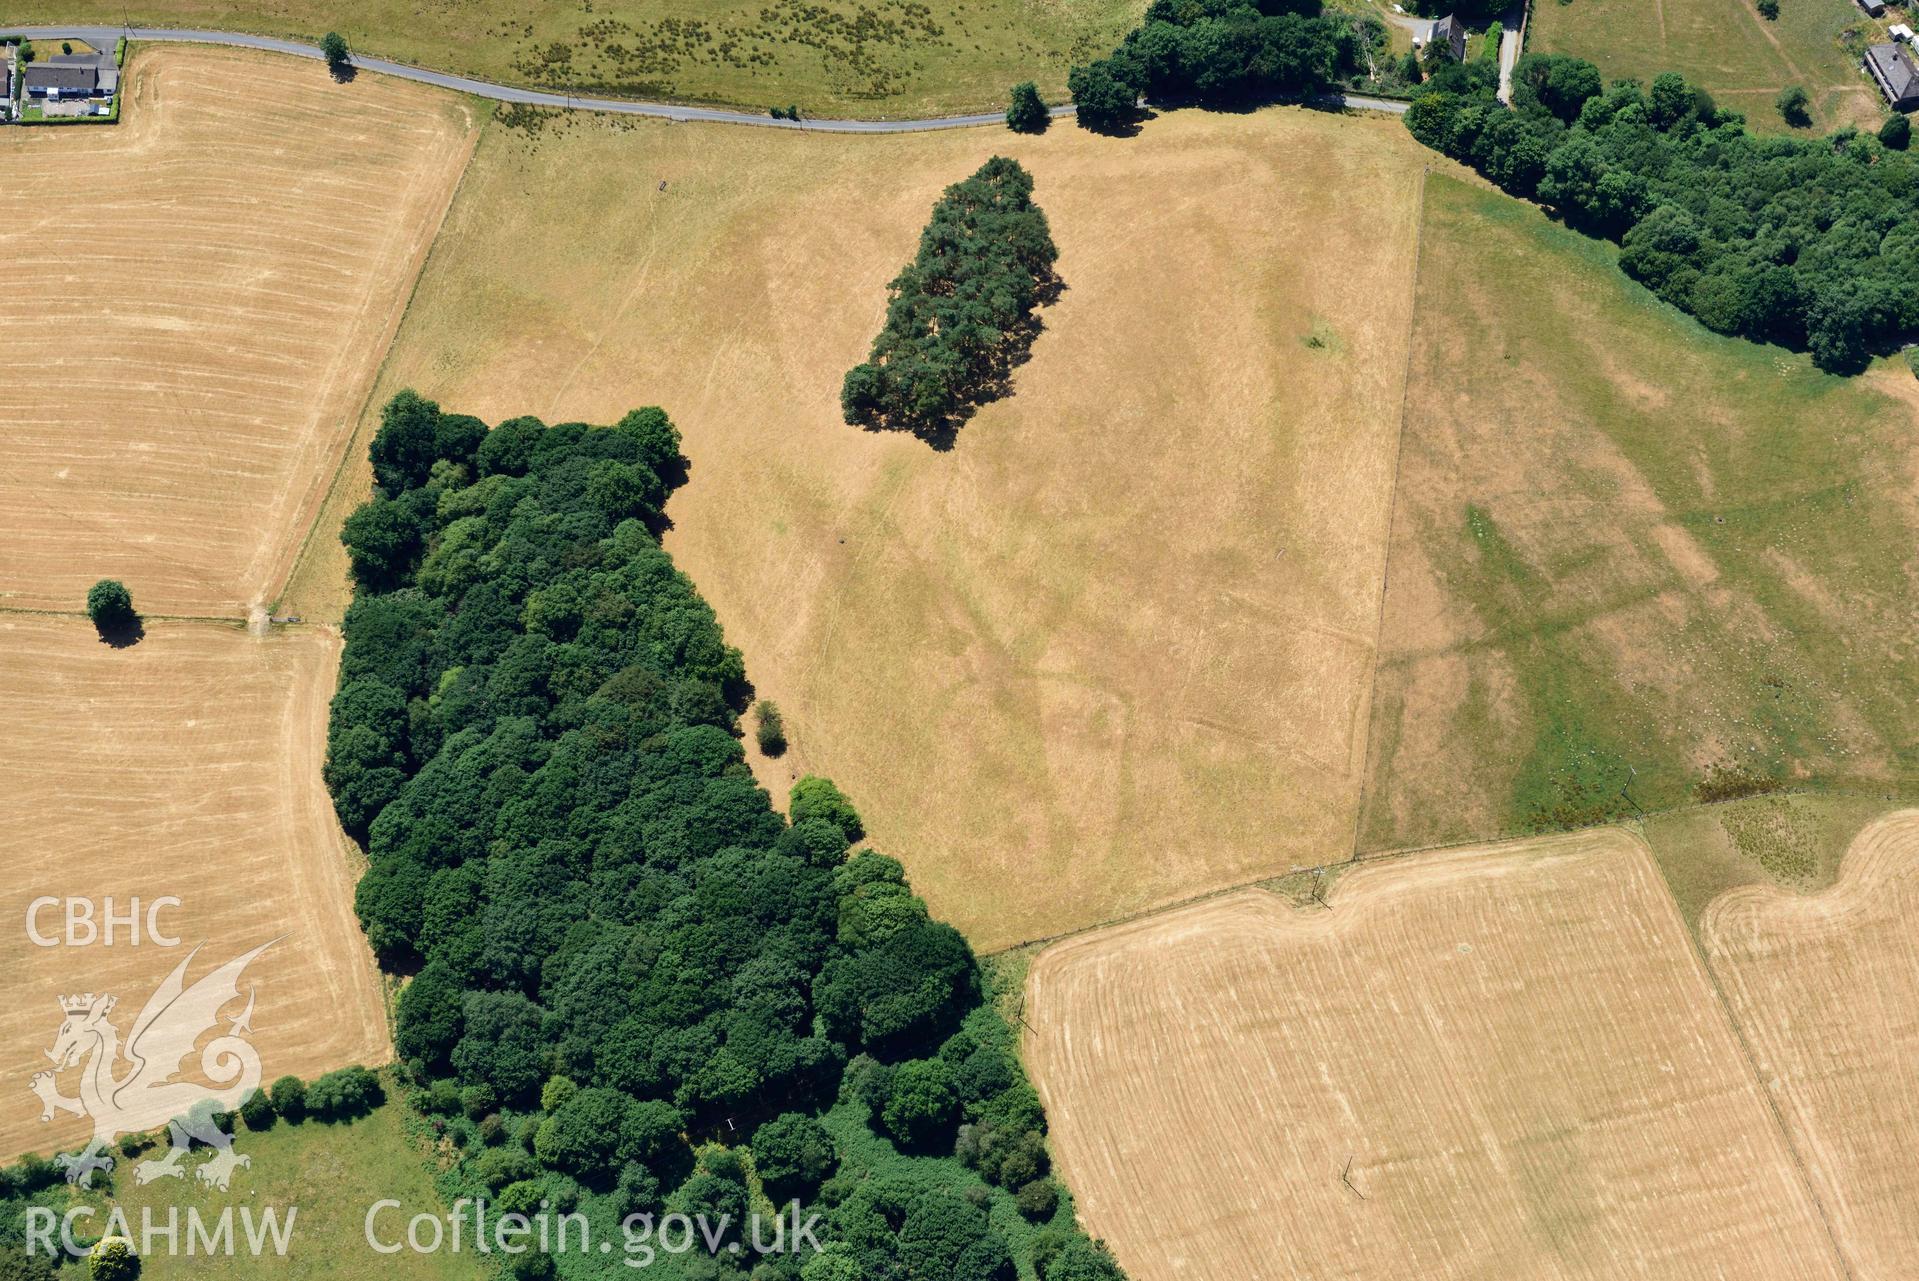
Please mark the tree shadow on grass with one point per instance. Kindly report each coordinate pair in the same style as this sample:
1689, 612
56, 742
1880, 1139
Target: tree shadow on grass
122, 634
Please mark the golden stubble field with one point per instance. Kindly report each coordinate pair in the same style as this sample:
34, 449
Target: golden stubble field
1111, 650
186, 765
198, 298
1826, 987
1486, 1063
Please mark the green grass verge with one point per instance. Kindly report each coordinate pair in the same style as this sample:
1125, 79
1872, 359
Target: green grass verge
1796, 840
326, 1175
1633, 562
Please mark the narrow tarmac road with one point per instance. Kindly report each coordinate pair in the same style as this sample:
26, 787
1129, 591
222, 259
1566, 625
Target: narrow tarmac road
104, 37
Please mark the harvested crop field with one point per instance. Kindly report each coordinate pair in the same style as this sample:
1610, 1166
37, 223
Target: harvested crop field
1634, 563
1111, 650
1491, 1063
199, 298
185, 765
1826, 987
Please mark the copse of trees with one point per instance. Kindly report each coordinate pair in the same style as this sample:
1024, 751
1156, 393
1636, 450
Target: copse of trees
619, 951
961, 313
1806, 243
1216, 51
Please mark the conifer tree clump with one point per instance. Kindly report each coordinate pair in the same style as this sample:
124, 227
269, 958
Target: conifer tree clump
960, 316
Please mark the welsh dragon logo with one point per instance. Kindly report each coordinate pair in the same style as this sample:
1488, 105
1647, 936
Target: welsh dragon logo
146, 1094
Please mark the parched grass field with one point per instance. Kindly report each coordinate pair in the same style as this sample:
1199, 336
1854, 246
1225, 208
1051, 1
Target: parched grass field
1110, 651
829, 57
197, 300
1826, 987
1728, 48
1629, 557
1485, 1063
185, 765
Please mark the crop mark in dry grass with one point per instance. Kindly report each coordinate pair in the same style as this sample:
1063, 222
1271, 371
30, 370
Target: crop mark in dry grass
188, 341
1110, 651
1626, 552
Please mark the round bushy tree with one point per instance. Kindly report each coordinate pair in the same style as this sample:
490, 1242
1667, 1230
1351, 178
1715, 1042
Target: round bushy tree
289, 1096
110, 606
113, 1259
815, 797
1038, 1199
1104, 102
1026, 113
793, 1154
333, 48
1896, 133
257, 1111
1794, 106
920, 1111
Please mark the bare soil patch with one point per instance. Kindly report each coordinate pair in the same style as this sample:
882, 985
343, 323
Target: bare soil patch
1494, 1062
186, 765
198, 299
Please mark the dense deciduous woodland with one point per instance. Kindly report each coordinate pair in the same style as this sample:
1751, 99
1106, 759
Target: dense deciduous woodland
635, 986
960, 315
1809, 243
1217, 51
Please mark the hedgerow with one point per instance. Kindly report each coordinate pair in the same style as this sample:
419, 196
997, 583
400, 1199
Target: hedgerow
1812, 244
1217, 51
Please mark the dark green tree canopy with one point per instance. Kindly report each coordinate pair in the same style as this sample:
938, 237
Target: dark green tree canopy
537, 738
1809, 244
960, 315
1216, 51
1026, 113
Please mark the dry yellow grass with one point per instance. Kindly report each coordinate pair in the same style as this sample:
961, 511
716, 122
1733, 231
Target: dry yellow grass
1826, 987
185, 765
197, 300
1110, 651
1513, 1053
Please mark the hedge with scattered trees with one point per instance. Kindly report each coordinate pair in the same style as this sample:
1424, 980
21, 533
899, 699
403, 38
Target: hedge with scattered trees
960, 315
631, 978
1217, 51
1812, 244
